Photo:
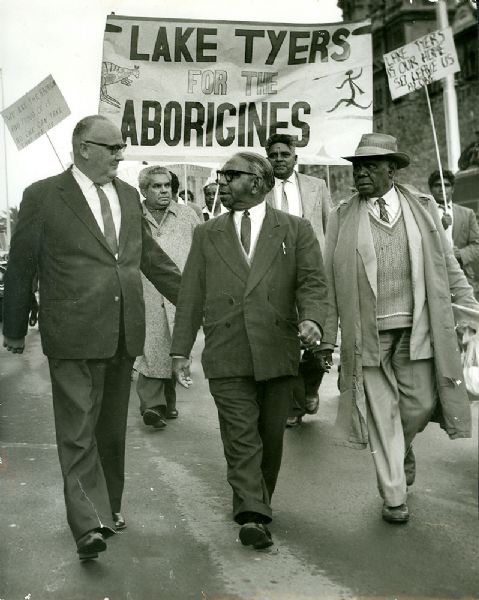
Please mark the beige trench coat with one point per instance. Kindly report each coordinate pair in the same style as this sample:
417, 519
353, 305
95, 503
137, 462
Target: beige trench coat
174, 235
349, 266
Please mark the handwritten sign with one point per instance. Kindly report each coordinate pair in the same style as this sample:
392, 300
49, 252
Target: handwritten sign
35, 113
427, 59
183, 90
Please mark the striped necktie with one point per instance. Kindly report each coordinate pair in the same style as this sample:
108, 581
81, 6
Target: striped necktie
108, 223
383, 213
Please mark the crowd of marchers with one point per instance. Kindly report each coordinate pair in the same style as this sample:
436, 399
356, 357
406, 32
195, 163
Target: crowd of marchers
271, 272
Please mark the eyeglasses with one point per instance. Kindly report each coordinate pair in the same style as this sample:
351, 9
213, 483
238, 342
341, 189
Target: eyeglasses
231, 174
113, 148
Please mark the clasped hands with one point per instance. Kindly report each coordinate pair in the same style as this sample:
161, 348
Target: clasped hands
310, 336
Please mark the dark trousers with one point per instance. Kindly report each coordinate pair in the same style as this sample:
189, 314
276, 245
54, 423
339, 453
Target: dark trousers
252, 417
90, 402
306, 383
153, 392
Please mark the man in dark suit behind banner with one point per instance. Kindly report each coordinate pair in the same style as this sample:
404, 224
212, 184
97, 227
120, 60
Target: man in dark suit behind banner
83, 232
256, 278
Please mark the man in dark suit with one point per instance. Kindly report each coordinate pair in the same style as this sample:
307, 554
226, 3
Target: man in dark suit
255, 276
307, 197
83, 232
464, 233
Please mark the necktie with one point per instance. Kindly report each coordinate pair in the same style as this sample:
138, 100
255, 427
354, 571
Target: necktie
108, 224
284, 198
245, 231
383, 213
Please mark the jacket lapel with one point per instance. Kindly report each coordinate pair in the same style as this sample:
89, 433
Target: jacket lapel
73, 197
129, 207
306, 196
366, 247
225, 239
270, 237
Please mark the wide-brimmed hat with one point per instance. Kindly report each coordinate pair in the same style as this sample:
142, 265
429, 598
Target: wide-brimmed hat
380, 145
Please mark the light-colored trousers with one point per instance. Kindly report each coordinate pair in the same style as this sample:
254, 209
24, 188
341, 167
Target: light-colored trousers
400, 397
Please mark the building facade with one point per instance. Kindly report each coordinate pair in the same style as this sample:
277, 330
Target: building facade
395, 23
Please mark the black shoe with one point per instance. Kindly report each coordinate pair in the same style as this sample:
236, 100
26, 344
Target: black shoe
90, 544
294, 421
154, 417
171, 413
118, 520
395, 514
256, 535
311, 404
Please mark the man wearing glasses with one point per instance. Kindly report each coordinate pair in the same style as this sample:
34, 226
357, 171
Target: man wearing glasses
254, 279
84, 233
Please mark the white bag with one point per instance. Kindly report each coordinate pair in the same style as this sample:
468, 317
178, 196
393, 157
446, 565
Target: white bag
470, 363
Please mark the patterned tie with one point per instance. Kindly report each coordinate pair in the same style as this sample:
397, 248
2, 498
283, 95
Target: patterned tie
383, 213
108, 224
245, 231
284, 198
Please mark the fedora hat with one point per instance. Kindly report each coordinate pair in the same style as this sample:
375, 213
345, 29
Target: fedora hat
379, 145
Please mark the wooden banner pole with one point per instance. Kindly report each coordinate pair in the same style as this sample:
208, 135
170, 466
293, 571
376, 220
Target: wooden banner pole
56, 153
447, 210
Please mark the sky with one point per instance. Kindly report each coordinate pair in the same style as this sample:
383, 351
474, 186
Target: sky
64, 38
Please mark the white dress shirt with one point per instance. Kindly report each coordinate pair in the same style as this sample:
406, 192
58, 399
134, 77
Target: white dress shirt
448, 231
392, 206
256, 215
91, 195
292, 193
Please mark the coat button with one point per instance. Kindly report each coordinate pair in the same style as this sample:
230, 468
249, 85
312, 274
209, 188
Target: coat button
227, 324
117, 298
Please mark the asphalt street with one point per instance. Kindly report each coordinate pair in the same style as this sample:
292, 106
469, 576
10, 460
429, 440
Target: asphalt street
181, 542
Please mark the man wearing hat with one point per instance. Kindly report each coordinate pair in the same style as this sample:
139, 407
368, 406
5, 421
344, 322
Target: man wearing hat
392, 275
460, 225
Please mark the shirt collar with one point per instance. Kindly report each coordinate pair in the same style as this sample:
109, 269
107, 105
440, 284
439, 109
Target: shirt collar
389, 197
85, 180
290, 179
256, 212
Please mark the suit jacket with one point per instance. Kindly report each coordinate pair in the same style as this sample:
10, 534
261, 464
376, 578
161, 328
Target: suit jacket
250, 313
84, 289
316, 203
465, 235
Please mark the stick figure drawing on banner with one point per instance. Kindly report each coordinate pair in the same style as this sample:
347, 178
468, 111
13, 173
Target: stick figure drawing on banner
353, 87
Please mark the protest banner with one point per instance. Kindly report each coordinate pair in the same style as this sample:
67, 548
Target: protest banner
201, 90
35, 113
427, 59
415, 65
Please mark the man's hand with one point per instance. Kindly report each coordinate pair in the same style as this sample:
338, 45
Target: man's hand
14, 345
457, 254
181, 371
325, 358
309, 334
446, 220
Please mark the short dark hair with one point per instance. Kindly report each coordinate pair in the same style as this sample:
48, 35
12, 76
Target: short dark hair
446, 174
86, 124
175, 183
189, 193
261, 166
281, 138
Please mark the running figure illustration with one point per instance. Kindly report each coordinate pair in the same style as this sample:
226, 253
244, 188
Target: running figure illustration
353, 87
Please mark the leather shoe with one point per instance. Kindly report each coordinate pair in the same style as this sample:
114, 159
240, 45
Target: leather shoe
256, 535
311, 404
90, 544
410, 466
118, 520
171, 413
395, 514
294, 421
154, 417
